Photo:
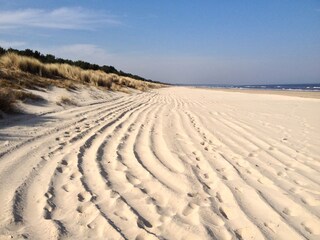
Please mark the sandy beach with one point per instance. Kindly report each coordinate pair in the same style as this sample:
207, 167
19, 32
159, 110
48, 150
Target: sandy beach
170, 163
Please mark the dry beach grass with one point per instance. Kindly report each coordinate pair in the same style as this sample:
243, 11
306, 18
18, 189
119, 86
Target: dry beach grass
20, 72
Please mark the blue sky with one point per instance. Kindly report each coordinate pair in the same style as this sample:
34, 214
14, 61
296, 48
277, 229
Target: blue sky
181, 41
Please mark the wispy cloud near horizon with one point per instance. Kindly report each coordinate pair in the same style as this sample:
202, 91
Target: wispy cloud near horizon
8, 44
61, 18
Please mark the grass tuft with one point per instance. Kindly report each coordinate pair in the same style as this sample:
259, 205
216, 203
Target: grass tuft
66, 101
10, 97
7, 101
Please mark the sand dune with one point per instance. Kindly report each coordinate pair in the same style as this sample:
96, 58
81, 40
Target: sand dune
173, 163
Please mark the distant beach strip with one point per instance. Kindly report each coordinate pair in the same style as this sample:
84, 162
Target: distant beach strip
286, 87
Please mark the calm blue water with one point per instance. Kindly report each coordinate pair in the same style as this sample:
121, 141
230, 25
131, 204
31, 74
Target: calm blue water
300, 87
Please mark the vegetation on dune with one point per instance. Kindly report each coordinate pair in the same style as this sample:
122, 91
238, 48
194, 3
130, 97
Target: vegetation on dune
9, 97
59, 74
20, 72
66, 101
49, 58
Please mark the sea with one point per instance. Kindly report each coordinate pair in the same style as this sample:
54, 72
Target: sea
283, 87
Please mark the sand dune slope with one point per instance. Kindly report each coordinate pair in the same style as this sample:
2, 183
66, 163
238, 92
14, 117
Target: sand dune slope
174, 163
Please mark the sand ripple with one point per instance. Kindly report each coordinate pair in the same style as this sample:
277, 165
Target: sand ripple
174, 163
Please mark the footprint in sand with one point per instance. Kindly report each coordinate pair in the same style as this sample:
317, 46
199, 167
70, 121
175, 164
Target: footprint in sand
45, 158
84, 197
271, 226
192, 194
64, 162
299, 182
196, 153
289, 212
310, 201
311, 227
253, 154
82, 208
63, 144
67, 187
63, 169
91, 225
48, 195
190, 214
191, 207
281, 174
198, 166
159, 209
244, 233
48, 210
74, 175
66, 134
227, 177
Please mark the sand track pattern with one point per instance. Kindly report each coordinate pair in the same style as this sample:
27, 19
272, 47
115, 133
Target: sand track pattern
174, 163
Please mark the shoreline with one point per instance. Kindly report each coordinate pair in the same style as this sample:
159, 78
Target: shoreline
290, 93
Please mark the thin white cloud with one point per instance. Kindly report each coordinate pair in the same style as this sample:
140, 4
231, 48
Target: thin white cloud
12, 44
60, 18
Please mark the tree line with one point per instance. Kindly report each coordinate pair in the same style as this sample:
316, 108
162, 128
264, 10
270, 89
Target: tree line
49, 58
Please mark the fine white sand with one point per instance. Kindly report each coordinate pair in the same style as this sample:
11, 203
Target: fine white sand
173, 163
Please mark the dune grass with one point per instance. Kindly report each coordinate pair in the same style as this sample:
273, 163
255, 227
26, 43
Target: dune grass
63, 72
66, 101
20, 72
9, 98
